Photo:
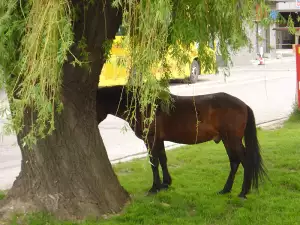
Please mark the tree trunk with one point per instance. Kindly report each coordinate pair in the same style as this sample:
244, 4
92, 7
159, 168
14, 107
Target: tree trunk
68, 173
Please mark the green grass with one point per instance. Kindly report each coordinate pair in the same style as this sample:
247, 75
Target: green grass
200, 171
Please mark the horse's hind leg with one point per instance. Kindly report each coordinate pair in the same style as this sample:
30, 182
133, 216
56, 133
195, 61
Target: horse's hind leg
154, 148
247, 170
237, 150
234, 164
163, 163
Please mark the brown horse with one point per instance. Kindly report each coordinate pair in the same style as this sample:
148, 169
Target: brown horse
192, 120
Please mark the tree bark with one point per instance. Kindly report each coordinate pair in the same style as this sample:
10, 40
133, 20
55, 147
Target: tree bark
68, 173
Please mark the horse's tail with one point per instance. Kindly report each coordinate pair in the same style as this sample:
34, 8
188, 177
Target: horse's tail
253, 157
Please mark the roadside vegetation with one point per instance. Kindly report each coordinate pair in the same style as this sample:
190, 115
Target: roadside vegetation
2, 195
200, 171
295, 115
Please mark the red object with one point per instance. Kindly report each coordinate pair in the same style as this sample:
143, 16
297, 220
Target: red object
298, 74
261, 61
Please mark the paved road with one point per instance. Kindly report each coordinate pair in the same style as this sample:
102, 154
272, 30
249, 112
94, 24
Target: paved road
269, 90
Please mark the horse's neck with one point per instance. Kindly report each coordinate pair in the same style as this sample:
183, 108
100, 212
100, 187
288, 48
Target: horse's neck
122, 111
117, 107
118, 111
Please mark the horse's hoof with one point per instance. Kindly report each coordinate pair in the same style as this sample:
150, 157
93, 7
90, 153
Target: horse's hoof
164, 186
242, 196
222, 192
153, 191
167, 181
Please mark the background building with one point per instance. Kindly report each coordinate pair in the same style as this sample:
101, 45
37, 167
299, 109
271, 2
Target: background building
275, 39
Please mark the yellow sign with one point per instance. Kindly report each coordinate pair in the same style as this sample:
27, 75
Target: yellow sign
299, 50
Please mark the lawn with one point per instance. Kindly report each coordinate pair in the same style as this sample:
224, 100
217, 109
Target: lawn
200, 171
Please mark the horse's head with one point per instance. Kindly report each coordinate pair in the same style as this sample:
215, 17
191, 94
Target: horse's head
108, 101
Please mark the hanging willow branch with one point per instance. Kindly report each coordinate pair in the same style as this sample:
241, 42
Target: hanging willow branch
47, 35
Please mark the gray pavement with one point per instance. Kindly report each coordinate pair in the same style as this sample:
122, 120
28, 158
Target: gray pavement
268, 89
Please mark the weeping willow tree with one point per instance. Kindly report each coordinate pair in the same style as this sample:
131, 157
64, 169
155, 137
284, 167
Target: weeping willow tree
52, 52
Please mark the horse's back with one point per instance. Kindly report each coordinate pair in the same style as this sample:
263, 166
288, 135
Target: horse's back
219, 100
226, 100
212, 115
228, 114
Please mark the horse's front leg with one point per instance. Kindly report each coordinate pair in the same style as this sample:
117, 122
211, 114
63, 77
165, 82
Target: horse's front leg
153, 149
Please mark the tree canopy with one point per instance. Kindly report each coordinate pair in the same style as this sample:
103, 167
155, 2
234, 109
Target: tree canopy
36, 37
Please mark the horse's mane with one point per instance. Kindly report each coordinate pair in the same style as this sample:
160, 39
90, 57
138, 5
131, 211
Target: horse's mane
114, 93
